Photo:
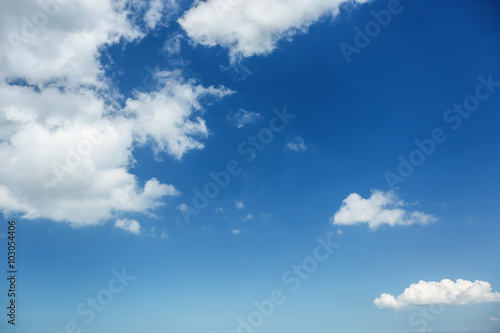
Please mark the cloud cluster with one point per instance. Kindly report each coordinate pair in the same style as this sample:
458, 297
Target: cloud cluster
253, 27
380, 208
446, 292
66, 146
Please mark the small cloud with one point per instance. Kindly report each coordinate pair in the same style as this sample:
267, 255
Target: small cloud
380, 208
235, 231
239, 204
242, 117
265, 216
154, 234
129, 225
248, 217
182, 207
296, 145
497, 318
172, 45
219, 210
446, 292
339, 232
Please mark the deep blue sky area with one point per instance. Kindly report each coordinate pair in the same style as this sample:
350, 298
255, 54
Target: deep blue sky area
357, 121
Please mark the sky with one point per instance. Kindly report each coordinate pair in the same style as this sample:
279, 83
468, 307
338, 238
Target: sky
241, 166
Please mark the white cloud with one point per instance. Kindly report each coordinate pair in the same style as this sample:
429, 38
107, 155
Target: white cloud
296, 145
239, 204
497, 318
59, 42
129, 225
248, 217
253, 27
182, 207
242, 117
235, 231
380, 208
219, 210
171, 116
446, 292
66, 146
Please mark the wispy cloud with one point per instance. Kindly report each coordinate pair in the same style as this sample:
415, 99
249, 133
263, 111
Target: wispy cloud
296, 145
239, 204
242, 117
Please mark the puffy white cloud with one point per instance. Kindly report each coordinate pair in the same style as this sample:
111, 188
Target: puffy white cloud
171, 116
380, 208
235, 231
242, 117
239, 204
248, 217
296, 145
497, 318
66, 146
446, 292
253, 27
129, 225
59, 40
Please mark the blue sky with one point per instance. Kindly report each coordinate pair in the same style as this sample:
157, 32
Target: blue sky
114, 114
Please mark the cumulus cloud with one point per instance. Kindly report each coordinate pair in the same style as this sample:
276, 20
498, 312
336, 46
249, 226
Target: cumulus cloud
446, 292
171, 116
239, 204
129, 225
242, 117
497, 318
253, 27
58, 41
65, 144
248, 217
296, 145
381, 208
235, 231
